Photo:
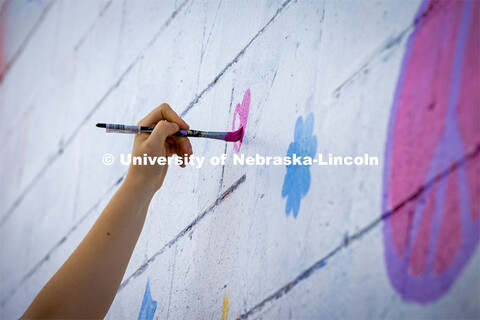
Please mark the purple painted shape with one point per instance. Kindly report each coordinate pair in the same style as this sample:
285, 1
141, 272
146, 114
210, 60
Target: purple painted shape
427, 280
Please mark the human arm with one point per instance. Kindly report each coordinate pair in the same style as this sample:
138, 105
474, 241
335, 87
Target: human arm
86, 284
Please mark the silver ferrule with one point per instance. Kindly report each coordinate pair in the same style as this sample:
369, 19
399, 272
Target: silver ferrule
215, 135
121, 128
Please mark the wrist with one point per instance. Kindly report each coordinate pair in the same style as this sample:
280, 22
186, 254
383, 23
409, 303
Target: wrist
139, 187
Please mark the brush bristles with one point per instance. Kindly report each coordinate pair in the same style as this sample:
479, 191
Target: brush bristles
235, 135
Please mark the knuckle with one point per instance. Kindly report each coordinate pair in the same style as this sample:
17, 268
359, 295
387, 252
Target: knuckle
162, 125
165, 106
142, 121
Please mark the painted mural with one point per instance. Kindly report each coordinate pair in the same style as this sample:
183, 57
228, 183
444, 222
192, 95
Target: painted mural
431, 183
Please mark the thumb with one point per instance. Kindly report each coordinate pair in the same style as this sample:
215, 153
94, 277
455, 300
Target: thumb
161, 131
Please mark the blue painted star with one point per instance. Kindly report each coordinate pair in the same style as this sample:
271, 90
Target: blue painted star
297, 179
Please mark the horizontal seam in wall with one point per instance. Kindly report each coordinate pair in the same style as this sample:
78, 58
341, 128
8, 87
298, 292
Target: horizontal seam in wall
391, 44
25, 41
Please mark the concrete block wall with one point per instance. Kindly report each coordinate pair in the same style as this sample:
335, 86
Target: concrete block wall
393, 79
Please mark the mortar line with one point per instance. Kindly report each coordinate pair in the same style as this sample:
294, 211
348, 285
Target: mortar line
389, 44
225, 149
362, 232
3, 8
184, 231
92, 26
26, 40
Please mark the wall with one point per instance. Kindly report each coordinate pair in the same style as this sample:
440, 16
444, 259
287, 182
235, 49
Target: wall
394, 79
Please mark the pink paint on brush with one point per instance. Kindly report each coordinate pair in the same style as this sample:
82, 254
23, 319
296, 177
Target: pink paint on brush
242, 111
234, 136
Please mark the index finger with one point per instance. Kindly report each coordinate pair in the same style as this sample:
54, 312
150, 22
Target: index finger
163, 112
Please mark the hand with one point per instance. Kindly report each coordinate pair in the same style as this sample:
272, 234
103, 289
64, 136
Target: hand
159, 143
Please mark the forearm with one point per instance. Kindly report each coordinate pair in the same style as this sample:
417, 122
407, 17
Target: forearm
86, 284
92, 274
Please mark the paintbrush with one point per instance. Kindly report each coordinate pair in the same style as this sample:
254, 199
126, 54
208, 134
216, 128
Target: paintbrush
231, 136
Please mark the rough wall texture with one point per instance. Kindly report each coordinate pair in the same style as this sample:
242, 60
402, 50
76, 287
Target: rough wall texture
395, 79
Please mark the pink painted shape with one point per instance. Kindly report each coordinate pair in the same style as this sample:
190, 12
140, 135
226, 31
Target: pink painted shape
449, 238
420, 118
242, 111
419, 255
434, 123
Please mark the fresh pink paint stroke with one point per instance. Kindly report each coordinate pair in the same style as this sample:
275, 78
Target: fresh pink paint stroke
234, 136
242, 111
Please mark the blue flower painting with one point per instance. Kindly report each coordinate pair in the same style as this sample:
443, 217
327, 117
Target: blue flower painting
297, 179
148, 305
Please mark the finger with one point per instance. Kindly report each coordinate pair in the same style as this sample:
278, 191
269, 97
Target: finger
163, 112
184, 144
184, 157
183, 149
170, 140
160, 133
177, 150
141, 136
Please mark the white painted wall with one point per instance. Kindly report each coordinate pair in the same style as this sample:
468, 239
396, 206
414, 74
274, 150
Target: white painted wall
214, 230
